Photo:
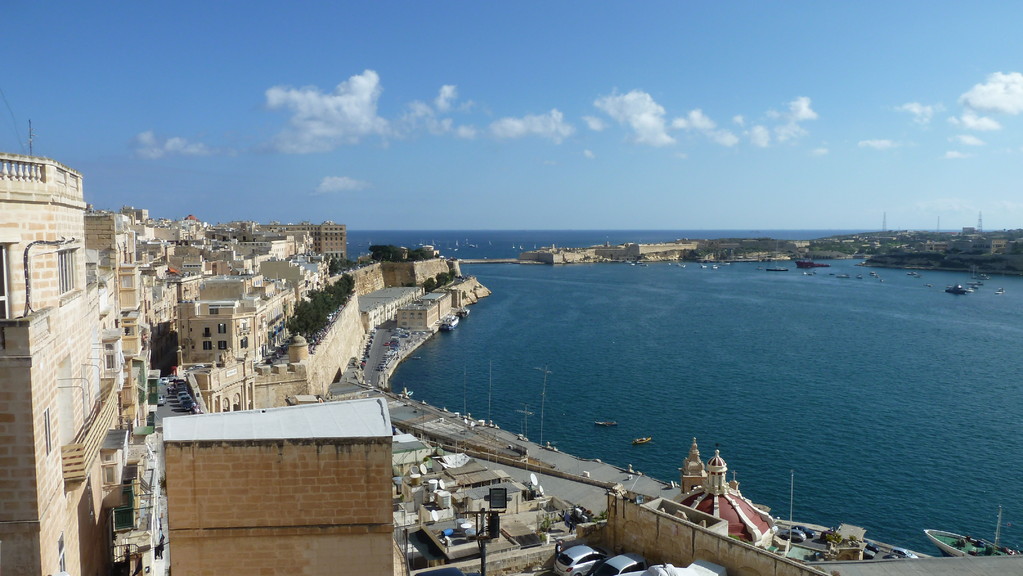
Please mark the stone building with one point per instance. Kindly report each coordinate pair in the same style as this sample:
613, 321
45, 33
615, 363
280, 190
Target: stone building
426, 313
300, 490
67, 391
329, 238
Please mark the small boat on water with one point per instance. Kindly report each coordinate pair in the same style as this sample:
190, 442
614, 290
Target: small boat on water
449, 323
777, 269
643, 440
1000, 291
957, 289
605, 422
957, 545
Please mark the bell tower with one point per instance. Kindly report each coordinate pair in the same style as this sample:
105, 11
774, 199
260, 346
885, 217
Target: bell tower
692, 471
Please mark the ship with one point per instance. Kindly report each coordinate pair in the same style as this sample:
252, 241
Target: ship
449, 323
811, 264
952, 544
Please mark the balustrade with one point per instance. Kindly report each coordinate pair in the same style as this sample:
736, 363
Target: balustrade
21, 170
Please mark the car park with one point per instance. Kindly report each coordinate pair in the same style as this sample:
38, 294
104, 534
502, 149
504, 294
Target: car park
577, 560
621, 564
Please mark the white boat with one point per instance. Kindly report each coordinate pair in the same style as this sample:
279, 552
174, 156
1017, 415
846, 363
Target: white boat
449, 323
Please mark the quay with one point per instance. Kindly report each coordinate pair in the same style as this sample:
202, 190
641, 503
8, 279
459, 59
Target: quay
489, 261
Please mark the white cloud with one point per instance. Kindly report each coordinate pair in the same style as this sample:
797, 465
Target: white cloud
922, 113
955, 155
819, 152
738, 120
640, 112
445, 97
321, 121
148, 145
594, 123
551, 125
1002, 93
465, 132
760, 136
967, 139
695, 120
971, 121
799, 111
700, 122
589, 154
878, 144
333, 184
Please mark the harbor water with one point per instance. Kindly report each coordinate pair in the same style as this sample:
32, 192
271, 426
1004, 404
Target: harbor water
882, 402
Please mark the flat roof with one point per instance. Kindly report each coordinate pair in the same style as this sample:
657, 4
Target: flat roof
362, 418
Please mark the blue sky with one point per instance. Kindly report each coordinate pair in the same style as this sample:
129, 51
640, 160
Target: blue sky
529, 115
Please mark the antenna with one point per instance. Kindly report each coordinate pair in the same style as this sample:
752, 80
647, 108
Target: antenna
543, 399
980, 220
31, 137
525, 419
884, 222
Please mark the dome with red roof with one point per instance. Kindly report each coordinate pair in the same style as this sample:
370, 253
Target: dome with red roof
719, 498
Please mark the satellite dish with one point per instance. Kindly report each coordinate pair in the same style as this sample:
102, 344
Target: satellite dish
422, 468
440, 484
532, 479
539, 490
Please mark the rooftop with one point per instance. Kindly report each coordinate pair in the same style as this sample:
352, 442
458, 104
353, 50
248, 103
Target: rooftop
351, 419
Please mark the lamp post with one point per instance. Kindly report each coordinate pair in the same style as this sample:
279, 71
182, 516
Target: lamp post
543, 399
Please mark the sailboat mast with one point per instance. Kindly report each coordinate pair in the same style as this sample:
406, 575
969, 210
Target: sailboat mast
998, 529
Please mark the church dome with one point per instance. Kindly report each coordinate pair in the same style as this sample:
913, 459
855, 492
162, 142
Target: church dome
717, 498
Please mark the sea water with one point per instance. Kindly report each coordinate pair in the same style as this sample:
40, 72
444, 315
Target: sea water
881, 402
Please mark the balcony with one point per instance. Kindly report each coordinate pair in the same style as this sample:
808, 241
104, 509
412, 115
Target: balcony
78, 457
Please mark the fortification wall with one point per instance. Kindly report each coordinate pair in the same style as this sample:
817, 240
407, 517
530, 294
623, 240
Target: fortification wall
368, 279
326, 361
466, 292
413, 273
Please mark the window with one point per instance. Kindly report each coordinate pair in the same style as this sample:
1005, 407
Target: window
66, 270
207, 345
245, 342
206, 332
127, 281
214, 310
221, 328
222, 345
61, 564
109, 475
5, 310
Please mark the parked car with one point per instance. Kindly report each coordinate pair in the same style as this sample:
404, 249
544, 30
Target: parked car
809, 532
161, 400
187, 403
621, 564
902, 553
577, 560
796, 536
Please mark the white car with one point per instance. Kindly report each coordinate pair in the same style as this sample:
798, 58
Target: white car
577, 560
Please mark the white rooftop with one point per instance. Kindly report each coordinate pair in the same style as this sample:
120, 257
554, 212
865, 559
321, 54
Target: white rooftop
351, 419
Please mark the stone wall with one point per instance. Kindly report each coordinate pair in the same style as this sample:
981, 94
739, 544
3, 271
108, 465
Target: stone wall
663, 538
293, 507
367, 279
467, 292
413, 273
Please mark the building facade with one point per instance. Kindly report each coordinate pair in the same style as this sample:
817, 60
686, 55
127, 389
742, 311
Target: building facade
300, 490
61, 377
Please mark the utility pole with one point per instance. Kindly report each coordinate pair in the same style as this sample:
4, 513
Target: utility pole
543, 399
525, 420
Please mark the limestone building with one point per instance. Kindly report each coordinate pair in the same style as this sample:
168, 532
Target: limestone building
66, 390
300, 490
329, 238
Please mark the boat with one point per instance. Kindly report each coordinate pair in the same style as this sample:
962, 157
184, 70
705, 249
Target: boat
462, 312
807, 263
1000, 291
605, 422
449, 323
957, 289
777, 269
957, 545
643, 440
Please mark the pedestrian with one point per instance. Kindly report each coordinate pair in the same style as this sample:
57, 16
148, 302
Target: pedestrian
557, 547
159, 548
